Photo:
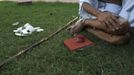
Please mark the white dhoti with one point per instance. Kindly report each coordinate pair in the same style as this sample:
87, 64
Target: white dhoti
128, 11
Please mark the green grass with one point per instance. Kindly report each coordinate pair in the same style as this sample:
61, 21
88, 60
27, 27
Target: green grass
51, 57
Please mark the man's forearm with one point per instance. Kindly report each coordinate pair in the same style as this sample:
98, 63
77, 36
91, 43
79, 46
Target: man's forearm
90, 9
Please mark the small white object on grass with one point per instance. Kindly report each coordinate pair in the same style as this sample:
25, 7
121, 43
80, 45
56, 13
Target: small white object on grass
26, 30
15, 23
19, 34
39, 30
18, 30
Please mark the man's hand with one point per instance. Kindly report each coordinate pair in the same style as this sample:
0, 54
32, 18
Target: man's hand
109, 20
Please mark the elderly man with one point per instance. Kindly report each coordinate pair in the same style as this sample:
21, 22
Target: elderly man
103, 19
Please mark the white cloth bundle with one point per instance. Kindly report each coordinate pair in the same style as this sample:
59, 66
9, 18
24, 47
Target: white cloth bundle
26, 30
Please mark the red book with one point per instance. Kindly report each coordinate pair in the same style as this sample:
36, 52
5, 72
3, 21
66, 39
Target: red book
72, 44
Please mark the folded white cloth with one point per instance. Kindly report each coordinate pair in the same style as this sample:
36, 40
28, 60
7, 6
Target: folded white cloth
26, 30
128, 11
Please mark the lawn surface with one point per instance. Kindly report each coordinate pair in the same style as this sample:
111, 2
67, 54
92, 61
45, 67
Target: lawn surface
51, 57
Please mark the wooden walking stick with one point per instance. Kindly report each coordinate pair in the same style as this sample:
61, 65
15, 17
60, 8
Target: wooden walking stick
37, 43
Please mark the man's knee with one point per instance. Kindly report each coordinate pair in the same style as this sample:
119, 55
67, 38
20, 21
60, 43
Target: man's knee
113, 39
116, 40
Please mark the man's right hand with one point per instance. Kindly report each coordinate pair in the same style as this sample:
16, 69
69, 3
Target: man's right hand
109, 20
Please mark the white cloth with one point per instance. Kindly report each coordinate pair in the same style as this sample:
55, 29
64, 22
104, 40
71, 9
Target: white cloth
99, 5
128, 11
26, 30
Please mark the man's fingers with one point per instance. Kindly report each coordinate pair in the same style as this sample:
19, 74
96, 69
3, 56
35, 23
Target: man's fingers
115, 22
115, 19
109, 25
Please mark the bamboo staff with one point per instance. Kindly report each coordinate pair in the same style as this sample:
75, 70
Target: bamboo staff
37, 43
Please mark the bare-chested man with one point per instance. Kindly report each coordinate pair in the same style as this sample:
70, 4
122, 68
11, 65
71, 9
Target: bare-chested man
100, 17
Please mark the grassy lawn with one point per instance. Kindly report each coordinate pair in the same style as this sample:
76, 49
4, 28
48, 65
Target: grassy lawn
51, 57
